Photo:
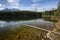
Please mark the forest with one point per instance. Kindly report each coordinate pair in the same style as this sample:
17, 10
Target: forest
19, 15
23, 15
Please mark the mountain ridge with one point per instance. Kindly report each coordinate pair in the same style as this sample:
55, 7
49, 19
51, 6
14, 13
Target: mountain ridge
6, 9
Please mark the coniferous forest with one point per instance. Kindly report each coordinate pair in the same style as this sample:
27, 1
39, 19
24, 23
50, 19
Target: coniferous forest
23, 15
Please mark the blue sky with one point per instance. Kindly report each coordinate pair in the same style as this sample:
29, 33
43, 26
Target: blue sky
31, 5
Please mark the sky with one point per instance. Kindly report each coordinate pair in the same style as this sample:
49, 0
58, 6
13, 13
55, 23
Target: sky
30, 5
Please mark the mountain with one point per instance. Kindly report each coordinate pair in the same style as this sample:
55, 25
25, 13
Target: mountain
10, 9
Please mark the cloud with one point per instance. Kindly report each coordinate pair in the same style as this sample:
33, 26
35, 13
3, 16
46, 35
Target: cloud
32, 7
35, 0
35, 7
2, 7
13, 3
10, 1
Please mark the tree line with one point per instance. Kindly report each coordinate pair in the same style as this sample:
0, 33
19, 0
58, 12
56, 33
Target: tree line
23, 15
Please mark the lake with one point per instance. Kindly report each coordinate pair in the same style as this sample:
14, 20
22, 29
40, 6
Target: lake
30, 22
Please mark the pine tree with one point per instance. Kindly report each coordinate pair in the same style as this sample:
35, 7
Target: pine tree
58, 10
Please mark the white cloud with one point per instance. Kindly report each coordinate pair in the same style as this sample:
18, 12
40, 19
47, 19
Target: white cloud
2, 7
11, 1
14, 3
35, 0
35, 7
32, 7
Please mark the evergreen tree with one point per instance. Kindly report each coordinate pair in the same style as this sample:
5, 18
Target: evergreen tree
58, 10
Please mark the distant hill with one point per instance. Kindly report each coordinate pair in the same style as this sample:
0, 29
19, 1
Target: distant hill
10, 9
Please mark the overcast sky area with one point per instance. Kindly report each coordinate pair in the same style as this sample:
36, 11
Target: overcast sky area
32, 5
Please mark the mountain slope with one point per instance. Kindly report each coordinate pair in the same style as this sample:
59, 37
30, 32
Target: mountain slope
10, 9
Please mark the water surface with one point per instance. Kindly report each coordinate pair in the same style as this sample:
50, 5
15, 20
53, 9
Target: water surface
19, 23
